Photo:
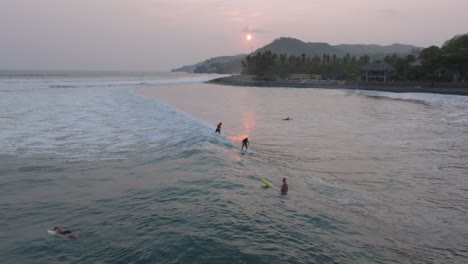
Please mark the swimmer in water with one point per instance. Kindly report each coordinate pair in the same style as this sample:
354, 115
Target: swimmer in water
284, 187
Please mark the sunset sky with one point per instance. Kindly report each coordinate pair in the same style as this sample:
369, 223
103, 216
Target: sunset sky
158, 35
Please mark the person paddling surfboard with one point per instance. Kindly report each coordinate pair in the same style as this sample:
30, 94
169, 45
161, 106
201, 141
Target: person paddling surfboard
63, 231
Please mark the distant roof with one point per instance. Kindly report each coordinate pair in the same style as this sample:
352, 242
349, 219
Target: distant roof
378, 66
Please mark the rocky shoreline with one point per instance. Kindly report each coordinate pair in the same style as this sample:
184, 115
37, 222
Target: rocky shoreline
395, 87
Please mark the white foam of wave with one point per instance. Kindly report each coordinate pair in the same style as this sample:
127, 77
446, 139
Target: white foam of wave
37, 84
423, 97
103, 123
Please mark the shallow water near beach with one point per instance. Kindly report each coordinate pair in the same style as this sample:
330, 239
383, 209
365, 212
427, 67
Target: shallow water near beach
139, 172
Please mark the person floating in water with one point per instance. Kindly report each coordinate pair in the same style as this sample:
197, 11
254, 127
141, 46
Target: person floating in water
284, 187
245, 143
287, 118
65, 232
218, 128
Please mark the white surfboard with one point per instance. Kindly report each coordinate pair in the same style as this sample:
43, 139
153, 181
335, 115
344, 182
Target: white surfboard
51, 232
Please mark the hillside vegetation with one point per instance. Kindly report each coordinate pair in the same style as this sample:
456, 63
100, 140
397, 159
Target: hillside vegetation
447, 63
296, 47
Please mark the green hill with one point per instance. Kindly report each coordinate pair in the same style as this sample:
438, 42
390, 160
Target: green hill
221, 65
296, 47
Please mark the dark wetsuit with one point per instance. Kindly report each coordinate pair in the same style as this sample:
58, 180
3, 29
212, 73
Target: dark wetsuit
245, 143
62, 231
284, 188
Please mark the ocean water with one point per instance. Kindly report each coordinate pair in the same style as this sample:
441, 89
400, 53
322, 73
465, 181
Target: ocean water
131, 162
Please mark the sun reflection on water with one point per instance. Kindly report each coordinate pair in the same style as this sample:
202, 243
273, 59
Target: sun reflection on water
248, 123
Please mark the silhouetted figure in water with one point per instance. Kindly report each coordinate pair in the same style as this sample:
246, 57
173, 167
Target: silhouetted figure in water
287, 118
63, 231
245, 143
218, 128
284, 187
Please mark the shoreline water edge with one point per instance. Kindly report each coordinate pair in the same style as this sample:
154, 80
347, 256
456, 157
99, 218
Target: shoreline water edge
395, 87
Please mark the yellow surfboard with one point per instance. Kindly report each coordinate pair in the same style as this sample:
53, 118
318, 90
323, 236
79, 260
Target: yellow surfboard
267, 183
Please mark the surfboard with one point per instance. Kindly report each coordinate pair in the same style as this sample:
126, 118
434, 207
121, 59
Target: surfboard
267, 183
51, 232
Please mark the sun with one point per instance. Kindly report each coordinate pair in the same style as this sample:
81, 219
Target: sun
248, 37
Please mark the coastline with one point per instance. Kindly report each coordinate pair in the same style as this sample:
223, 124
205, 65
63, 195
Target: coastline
395, 87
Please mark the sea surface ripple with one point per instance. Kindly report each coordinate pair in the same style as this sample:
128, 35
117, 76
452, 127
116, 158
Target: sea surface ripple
374, 177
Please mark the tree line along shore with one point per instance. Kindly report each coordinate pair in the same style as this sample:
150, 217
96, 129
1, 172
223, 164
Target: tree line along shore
441, 70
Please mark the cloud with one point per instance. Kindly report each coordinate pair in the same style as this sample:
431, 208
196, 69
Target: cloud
255, 30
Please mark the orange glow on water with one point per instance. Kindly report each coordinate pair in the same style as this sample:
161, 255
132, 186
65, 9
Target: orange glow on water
248, 123
237, 137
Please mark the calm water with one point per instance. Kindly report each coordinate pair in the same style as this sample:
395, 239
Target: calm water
373, 177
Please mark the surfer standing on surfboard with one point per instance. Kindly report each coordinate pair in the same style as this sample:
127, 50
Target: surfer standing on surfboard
245, 143
218, 128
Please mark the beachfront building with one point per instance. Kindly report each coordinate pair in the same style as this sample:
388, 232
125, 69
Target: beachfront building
378, 71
